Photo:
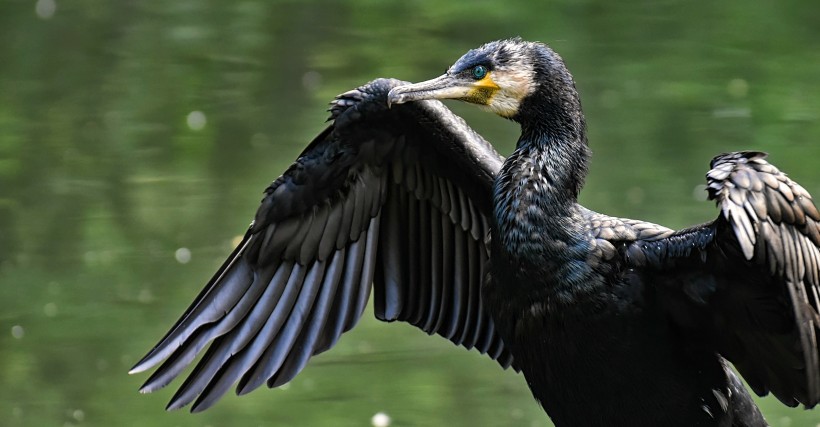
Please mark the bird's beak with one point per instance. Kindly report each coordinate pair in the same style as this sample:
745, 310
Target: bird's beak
442, 87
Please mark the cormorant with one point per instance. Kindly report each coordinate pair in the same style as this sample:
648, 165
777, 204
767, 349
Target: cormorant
613, 322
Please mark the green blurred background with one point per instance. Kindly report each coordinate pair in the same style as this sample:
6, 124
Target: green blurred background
136, 138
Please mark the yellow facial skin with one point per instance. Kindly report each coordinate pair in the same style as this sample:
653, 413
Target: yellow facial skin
483, 90
504, 91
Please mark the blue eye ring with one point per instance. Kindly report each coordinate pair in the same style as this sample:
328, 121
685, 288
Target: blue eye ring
479, 72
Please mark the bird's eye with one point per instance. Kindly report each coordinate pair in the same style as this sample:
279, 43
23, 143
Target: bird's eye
479, 72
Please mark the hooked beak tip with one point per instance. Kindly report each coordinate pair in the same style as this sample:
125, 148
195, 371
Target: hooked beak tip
442, 87
393, 97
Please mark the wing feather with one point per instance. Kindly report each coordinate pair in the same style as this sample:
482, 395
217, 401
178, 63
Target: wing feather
450, 302
461, 287
368, 271
436, 255
306, 344
771, 223
757, 270
208, 307
274, 356
392, 199
423, 256
349, 284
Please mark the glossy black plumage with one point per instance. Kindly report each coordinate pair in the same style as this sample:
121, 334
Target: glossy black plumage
382, 196
612, 321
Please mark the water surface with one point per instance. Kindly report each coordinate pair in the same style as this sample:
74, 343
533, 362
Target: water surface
136, 139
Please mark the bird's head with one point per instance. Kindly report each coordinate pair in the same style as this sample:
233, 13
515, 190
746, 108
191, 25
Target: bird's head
499, 76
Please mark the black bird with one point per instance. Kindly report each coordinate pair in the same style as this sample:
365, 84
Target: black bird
613, 322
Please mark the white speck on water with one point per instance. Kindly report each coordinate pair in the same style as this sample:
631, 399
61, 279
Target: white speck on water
50, 309
699, 193
364, 347
311, 80
145, 296
183, 255
732, 113
380, 419
90, 257
635, 195
738, 88
17, 331
196, 120
45, 9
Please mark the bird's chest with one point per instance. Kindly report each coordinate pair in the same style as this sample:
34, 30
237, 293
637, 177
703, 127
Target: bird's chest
530, 298
544, 275
589, 359
556, 336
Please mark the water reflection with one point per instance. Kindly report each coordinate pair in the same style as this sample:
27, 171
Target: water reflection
136, 137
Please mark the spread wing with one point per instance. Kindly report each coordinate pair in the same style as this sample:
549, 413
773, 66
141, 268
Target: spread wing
750, 280
397, 199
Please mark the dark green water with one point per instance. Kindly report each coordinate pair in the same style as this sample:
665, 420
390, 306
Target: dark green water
103, 179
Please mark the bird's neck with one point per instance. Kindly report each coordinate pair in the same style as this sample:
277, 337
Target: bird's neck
536, 193
553, 139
